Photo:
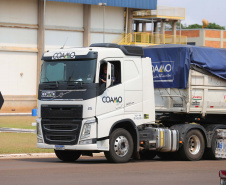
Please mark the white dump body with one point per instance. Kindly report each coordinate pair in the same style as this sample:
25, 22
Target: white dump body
205, 94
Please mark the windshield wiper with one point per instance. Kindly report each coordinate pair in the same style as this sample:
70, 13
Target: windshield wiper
76, 81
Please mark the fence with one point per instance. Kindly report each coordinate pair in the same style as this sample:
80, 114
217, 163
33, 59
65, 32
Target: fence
147, 38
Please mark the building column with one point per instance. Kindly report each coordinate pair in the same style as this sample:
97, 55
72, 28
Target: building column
174, 31
137, 27
155, 27
162, 32
40, 38
144, 26
202, 40
130, 20
222, 38
156, 35
86, 24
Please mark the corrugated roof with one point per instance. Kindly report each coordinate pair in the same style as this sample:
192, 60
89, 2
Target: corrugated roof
139, 4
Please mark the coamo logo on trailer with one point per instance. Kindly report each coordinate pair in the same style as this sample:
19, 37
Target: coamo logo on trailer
163, 71
107, 99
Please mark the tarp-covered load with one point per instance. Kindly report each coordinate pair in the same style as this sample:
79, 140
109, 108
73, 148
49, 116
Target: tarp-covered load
171, 63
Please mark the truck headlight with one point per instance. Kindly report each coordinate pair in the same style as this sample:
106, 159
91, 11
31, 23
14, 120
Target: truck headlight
87, 129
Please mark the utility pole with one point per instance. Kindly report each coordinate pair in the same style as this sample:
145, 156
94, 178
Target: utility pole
103, 4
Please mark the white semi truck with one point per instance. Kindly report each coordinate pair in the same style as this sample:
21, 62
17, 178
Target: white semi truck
114, 99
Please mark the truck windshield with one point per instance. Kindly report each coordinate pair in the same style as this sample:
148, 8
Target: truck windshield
82, 71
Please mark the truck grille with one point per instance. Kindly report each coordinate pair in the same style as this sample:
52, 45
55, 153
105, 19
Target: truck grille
61, 111
61, 132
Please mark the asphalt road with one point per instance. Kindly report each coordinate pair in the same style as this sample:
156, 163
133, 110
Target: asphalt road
97, 171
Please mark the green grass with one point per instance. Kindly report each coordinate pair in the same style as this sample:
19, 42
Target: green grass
15, 143
23, 122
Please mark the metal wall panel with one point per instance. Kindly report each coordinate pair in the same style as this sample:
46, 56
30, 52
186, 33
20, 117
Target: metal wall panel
98, 37
18, 37
56, 39
18, 73
140, 4
64, 14
22, 11
114, 19
62, 19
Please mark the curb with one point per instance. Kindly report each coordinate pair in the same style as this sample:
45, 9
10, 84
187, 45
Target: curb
38, 155
29, 155
15, 114
17, 130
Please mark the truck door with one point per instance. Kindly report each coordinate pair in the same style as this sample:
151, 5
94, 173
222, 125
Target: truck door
111, 98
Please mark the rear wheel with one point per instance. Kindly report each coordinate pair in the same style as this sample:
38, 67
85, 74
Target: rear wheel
193, 147
210, 152
121, 146
67, 155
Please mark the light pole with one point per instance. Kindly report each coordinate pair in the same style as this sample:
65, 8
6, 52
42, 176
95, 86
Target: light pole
103, 4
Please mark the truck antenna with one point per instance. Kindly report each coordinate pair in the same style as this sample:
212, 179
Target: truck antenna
64, 44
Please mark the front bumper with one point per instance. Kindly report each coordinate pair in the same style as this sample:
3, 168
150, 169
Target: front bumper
45, 132
99, 146
70, 147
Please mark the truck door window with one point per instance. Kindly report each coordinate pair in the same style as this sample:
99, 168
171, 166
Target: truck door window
117, 72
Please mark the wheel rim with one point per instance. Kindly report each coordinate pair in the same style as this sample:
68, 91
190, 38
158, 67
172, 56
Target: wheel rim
121, 146
194, 145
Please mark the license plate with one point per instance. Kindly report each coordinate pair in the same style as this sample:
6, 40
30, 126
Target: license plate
59, 147
220, 145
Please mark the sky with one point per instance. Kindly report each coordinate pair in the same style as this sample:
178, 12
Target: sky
196, 10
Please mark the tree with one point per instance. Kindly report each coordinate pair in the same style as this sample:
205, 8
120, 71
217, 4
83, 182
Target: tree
215, 26
198, 26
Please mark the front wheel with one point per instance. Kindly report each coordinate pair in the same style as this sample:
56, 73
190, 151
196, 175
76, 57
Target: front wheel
121, 146
67, 155
193, 147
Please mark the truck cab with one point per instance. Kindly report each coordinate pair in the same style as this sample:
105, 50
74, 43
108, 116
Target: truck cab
93, 100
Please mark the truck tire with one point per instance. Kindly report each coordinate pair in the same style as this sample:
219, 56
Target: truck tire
193, 146
68, 155
147, 154
120, 146
210, 152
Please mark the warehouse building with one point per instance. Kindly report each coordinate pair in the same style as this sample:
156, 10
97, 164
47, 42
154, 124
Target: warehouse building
29, 27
